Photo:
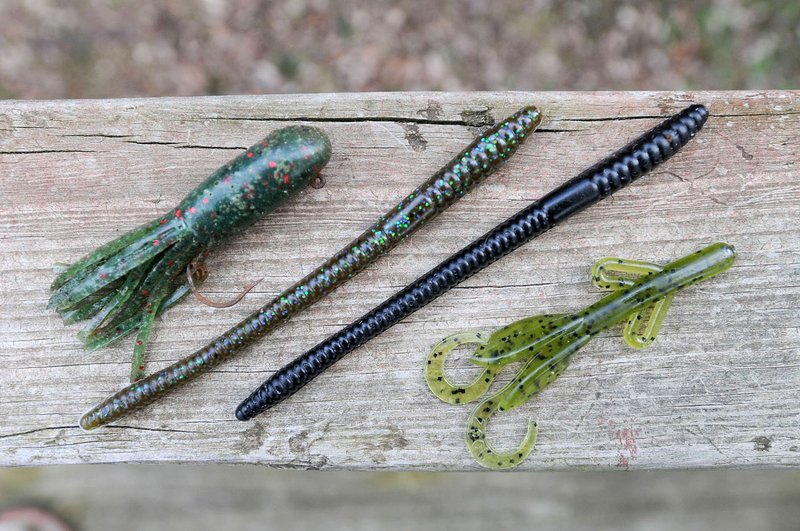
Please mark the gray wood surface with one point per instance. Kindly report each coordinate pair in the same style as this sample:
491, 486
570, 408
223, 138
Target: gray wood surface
719, 388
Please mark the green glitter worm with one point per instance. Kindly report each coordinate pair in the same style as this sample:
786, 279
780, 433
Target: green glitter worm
123, 285
470, 167
641, 295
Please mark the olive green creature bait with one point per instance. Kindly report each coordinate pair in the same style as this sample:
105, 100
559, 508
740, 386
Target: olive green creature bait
470, 167
123, 285
641, 295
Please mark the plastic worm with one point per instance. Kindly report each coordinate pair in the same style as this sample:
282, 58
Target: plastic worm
123, 285
641, 295
589, 187
445, 187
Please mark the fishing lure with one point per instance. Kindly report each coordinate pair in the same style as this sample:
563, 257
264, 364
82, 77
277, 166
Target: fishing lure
589, 187
641, 295
123, 285
480, 159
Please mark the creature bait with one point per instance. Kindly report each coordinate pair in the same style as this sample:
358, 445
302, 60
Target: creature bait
480, 159
641, 295
589, 187
123, 285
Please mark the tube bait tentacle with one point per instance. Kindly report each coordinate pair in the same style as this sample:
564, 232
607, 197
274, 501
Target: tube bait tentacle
125, 283
589, 187
85, 264
159, 283
116, 300
138, 251
470, 167
638, 289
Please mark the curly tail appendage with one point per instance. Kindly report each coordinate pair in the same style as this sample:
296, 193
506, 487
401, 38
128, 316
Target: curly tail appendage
447, 391
482, 451
531, 379
438, 382
504, 339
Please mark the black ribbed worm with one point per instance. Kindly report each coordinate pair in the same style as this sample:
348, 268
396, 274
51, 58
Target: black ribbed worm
445, 187
589, 187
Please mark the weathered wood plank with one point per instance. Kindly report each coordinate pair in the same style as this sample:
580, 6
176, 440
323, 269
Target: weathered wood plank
719, 388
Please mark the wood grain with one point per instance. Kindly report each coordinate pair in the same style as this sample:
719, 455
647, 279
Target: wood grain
719, 388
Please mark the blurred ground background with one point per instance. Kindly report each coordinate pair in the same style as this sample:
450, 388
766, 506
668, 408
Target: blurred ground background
118, 48
97, 48
151, 497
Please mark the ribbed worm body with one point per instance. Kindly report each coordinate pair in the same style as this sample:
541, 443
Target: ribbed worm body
445, 187
589, 187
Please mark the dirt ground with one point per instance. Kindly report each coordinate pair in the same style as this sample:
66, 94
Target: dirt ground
97, 48
220, 497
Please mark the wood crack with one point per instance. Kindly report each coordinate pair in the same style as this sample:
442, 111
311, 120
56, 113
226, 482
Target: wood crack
41, 151
617, 118
557, 130
358, 119
179, 145
197, 146
151, 142
36, 430
95, 135
141, 428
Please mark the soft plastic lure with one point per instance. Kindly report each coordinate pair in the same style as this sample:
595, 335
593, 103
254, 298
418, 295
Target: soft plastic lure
123, 285
641, 295
479, 160
591, 186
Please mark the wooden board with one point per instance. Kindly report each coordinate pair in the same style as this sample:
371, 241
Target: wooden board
719, 388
